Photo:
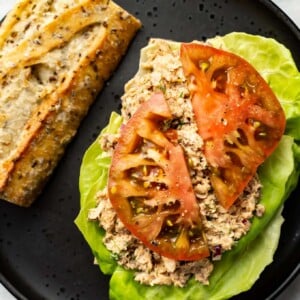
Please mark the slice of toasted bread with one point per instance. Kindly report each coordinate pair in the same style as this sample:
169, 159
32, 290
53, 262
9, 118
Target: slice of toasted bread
54, 58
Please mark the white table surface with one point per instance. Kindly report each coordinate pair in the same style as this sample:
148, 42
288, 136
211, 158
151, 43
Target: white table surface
292, 9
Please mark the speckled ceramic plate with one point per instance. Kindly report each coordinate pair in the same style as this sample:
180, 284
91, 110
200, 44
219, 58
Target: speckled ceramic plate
42, 254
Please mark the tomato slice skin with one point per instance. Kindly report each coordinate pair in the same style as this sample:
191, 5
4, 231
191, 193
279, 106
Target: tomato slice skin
237, 114
150, 188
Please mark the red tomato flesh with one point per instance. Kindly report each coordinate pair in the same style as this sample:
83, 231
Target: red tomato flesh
150, 188
237, 114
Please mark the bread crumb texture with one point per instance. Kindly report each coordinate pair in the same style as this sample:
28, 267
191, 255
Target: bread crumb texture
55, 56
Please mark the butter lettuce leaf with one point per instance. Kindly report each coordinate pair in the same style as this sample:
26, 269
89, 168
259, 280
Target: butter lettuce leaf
241, 267
93, 178
242, 262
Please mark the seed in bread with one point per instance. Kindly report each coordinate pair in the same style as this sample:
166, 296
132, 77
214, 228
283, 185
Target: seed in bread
54, 58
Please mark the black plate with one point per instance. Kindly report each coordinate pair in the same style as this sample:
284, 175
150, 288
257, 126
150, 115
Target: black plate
42, 254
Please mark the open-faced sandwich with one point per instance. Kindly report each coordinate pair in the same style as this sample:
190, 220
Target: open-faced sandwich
181, 194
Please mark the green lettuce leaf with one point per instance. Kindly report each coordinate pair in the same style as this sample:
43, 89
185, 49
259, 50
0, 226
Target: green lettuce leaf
93, 178
242, 260
242, 266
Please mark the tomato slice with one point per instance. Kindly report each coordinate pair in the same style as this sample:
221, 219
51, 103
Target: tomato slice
237, 114
150, 188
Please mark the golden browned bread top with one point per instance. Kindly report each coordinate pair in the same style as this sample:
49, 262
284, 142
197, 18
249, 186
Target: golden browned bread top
54, 58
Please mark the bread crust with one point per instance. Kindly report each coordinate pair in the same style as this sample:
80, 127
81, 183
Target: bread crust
55, 117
